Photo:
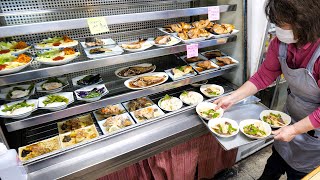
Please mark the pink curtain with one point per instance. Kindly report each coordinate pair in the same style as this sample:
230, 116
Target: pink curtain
180, 162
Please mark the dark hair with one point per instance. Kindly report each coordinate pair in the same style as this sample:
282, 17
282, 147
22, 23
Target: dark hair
303, 16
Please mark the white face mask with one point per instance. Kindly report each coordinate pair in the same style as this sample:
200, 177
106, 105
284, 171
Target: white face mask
285, 36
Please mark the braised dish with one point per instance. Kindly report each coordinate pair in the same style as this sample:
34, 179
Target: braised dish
74, 123
78, 136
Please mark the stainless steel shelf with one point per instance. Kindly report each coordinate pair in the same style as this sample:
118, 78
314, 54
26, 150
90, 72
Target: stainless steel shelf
32, 74
16, 30
13, 125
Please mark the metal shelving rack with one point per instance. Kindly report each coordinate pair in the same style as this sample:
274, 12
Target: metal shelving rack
127, 20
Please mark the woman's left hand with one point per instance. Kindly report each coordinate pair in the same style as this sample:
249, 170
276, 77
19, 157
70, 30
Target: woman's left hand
285, 133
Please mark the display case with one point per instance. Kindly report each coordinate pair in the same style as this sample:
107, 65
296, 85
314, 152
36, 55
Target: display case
128, 20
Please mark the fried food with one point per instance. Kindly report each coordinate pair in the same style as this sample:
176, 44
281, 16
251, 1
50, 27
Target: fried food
213, 54
222, 61
193, 59
162, 39
134, 45
139, 103
222, 28
135, 70
146, 81
205, 64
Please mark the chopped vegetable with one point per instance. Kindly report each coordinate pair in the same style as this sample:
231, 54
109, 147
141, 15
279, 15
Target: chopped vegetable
274, 119
91, 94
224, 128
16, 106
211, 113
52, 40
55, 98
6, 58
254, 130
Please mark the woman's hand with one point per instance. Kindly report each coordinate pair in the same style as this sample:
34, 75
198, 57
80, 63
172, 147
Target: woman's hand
286, 133
225, 102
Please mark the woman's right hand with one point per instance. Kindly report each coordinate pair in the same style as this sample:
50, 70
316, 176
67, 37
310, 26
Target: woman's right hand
225, 102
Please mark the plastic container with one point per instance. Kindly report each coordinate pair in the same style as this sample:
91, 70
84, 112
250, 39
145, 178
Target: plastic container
10, 165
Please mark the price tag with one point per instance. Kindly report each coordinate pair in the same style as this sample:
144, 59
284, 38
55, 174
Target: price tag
192, 50
213, 13
98, 25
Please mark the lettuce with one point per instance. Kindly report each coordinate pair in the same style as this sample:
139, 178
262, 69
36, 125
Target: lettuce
6, 58
49, 54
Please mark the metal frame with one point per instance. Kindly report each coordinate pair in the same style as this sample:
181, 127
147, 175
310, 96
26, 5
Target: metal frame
12, 125
23, 29
28, 75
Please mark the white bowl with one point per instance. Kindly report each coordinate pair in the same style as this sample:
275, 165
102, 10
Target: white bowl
208, 105
266, 127
179, 104
23, 114
204, 87
286, 118
198, 96
57, 106
214, 122
89, 88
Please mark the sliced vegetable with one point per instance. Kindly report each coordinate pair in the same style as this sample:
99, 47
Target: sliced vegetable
16, 106
55, 98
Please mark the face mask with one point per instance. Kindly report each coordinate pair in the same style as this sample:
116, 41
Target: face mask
285, 36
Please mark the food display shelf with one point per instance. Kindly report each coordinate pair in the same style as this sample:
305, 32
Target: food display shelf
49, 71
7, 31
13, 125
160, 134
252, 111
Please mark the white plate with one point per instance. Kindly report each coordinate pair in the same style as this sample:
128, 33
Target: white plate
214, 122
266, 127
173, 42
76, 79
115, 50
49, 61
235, 62
286, 118
125, 115
57, 106
198, 96
194, 65
125, 104
143, 65
39, 88
160, 113
208, 105
89, 88
170, 73
160, 74
148, 44
64, 45
235, 31
193, 40
163, 30
23, 114
179, 104
204, 87
16, 69
5, 91
21, 51
106, 42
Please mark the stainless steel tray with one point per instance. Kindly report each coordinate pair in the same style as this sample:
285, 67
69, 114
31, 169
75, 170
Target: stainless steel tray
249, 108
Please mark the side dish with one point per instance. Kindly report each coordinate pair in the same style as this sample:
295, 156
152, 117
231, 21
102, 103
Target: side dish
181, 71
52, 84
147, 113
57, 56
212, 90
169, 103
74, 123
13, 47
18, 108
55, 100
191, 97
208, 111
56, 42
135, 70
213, 54
108, 111
145, 81
116, 123
276, 119
18, 92
139, 103
166, 40
255, 129
78, 136
87, 80
11, 63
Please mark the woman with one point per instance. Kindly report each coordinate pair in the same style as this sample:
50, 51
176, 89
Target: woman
295, 53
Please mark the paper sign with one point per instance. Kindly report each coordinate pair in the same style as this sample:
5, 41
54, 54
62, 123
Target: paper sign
192, 50
97, 25
213, 13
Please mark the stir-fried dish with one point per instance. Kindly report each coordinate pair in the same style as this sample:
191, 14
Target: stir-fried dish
191, 98
145, 81
55, 99
255, 129
74, 123
110, 110
116, 123
139, 103
181, 71
224, 128
213, 91
136, 70
146, 113
209, 113
18, 108
274, 119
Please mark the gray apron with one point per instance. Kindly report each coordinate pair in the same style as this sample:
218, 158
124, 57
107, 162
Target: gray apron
303, 152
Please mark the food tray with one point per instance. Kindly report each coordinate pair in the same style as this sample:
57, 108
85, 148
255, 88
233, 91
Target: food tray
203, 53
229, 65
103, 121
125, 104
199, 55
85, 119
153, 106
101, 117
116, 50
106, 42
252, 109
205, 71
170, 73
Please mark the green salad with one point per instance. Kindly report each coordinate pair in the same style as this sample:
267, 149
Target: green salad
6, 58
49, 54
224, 128
254, 130
211, 113
7, 45
55, 98
16, 106
52, 40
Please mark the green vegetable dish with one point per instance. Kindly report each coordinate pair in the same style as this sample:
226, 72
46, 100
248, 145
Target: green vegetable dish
224, 128
19, 92
184, 93
211, 113
274, 119
255, 130
16, 106
55, 98
49, 54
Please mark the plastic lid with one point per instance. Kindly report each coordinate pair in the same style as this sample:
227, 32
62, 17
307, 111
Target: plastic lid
3, 149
